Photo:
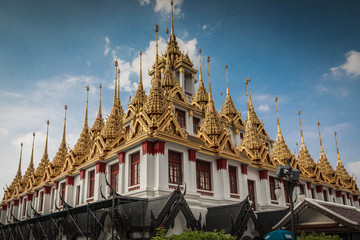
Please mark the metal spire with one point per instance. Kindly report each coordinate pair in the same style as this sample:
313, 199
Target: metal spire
277, 115
210, 93
32, 151
115, 88
321, 145
337, 150
140, 75
47, 136
86, 110
172, 18
227, 81
301, 131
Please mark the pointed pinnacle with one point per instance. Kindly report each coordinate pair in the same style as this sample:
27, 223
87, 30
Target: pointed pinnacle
21, 148
277, 115
140, 75
227, 81
32, 150
47, 136
172, 18
321, 145
200, 73
301, 131
337, 150
210, 93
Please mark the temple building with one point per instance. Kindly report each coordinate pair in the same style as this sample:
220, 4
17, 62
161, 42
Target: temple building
172, 160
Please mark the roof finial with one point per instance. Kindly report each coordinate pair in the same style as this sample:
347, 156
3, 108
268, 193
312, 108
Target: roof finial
337, 150
157, 56
63, 138
47, 136
118, 90
210, 93
115, 88
100, 98
86, 110
140, 77
21, 148
321, 145
172, 17
227, 81
301, 131
277, 115
247, 93
250, 100
200, 74
32, 150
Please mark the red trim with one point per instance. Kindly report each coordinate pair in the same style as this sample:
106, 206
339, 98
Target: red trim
159, 147
221, 163
330, 191
3, 207
192, 155
244, 168
47, 189
356, 198
263, 174
82, 174
16, 202
8, 204
69, 180
100, 167
147, 147
121, 156
29, 196
319, 189
308, 184
56, 184
348, 195
338, 193
36, 193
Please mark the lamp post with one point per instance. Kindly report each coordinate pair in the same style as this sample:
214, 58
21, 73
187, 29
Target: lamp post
290, 177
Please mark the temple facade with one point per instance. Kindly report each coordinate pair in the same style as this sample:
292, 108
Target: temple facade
174, 138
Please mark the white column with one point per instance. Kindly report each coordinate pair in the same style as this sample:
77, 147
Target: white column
47, 199
221, 184
182, 79
264, 193
243, 182
99, 181
189, 171
69, 190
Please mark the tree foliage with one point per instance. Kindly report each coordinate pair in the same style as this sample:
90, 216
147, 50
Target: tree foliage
318, 236
193, 235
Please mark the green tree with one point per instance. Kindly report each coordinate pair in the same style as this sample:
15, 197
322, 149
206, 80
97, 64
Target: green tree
193, 235
318, 236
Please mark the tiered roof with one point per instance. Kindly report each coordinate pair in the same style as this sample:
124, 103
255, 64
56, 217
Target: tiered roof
154, 116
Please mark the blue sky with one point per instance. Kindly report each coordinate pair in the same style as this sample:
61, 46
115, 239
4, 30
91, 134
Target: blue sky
305, 52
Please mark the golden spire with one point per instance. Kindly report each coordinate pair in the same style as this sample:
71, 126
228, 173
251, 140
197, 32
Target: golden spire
140, 95
322, 154
250, 100
172, 19
156, 103
18, 174
99, 121
247, 95
167, 34
305, 159
211, 126
227, 81
39, 172
60, 157
229, 108
201, 95
281, 150
121, 111
168, 80
82, 146
222, 103
210, 93
323, 163
113, 123
340, 169
115, 88
30, 169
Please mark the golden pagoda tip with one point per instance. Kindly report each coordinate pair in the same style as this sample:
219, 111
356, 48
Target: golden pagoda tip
299, 112
65, 106
208, 59
116, 62
156, 28
276, 99
140, 52
100, 86
200, 50
318, 123
226, 66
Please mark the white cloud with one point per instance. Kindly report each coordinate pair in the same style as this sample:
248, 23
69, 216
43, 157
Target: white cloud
107, 48
205, 26
264, 108
88, 63
4, 132
144, 2
354, 168
350, 68
164, 7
